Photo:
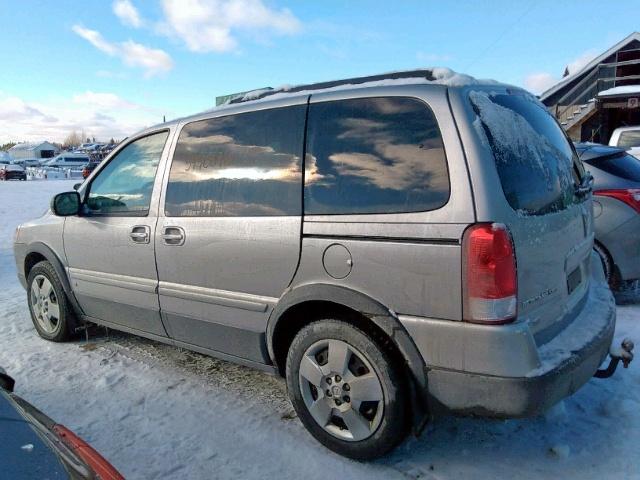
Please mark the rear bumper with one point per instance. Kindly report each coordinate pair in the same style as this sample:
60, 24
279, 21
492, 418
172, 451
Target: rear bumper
500, 371
508, 397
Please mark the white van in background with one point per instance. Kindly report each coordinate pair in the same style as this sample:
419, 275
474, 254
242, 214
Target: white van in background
627, 138
67, 160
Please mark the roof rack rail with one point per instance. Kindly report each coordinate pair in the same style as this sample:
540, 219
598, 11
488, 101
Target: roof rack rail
262, 93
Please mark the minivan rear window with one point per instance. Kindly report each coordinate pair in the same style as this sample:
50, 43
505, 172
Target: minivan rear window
537, 165
374, 155
623, 165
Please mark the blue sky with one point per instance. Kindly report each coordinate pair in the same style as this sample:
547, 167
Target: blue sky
111, 67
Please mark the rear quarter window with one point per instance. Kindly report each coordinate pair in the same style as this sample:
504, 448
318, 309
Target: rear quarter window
374, 155
537, 165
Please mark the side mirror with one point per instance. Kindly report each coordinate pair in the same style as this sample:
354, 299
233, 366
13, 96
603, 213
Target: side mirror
66, 204
6, 382
77, 186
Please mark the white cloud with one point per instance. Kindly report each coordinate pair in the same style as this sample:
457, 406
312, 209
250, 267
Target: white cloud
96, 39
539, 82
100, 114
212, 25
153, 61
127, 13
579, 63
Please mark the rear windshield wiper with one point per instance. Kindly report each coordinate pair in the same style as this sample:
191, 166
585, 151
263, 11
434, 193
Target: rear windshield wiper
586, 185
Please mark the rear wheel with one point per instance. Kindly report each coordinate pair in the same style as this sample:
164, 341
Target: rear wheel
347, 391
50, 310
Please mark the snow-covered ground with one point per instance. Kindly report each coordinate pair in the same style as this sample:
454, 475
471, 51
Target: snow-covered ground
160, 412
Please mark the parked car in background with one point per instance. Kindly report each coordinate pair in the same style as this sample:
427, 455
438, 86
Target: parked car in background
88, 168
12, 172
616, 210
35, 447
28, 162
442, 256
627, 138
67, 160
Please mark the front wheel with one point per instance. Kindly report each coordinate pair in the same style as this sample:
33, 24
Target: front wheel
348, 392
51, 313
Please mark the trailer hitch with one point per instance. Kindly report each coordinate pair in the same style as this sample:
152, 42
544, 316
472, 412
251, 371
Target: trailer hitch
624, 352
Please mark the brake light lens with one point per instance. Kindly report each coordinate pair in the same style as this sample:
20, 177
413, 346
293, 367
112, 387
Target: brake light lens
630, 196
490, 283
82, 449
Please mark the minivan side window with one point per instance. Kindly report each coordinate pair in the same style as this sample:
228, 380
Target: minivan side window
374, 155
240, 165
125, 184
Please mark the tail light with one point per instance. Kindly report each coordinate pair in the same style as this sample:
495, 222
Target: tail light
630, 196
490, 284
82, 449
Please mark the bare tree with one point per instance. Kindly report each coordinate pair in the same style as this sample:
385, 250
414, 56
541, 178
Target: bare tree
73, 140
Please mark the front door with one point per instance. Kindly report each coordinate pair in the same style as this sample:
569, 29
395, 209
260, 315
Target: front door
110, 246
228, 235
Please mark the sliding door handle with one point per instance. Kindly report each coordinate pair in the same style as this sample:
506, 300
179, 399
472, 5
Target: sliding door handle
173, 236
140, 234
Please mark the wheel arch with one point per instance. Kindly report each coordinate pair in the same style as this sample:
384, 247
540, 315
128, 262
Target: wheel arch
313, 301
37, 252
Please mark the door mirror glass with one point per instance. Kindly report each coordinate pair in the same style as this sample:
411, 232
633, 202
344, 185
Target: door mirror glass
66, 204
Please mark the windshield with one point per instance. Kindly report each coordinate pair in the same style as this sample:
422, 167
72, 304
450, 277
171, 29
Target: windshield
537, 165
629, 139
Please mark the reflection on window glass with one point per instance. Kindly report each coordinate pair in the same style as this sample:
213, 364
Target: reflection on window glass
125, 184
374, 155
240, 165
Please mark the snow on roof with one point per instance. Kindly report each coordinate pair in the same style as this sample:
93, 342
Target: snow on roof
622, 90
590, 65
31, 146
431, 75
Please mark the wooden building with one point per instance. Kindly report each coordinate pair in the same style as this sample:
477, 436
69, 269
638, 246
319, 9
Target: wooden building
602, 96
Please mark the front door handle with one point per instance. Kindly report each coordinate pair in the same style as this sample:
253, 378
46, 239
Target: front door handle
173, 236
140, 234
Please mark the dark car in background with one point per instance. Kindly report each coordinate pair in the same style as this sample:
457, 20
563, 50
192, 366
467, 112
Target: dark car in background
35, 447
12, 172
616, 210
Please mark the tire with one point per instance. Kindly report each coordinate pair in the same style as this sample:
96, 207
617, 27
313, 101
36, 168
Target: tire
609, 268
51, 312
352, 415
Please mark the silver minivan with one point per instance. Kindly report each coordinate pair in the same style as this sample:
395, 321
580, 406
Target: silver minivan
395, 246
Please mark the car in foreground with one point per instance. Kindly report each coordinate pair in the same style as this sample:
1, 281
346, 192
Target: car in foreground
12, 172
396, 246
627, 138
616, 210
35, 447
